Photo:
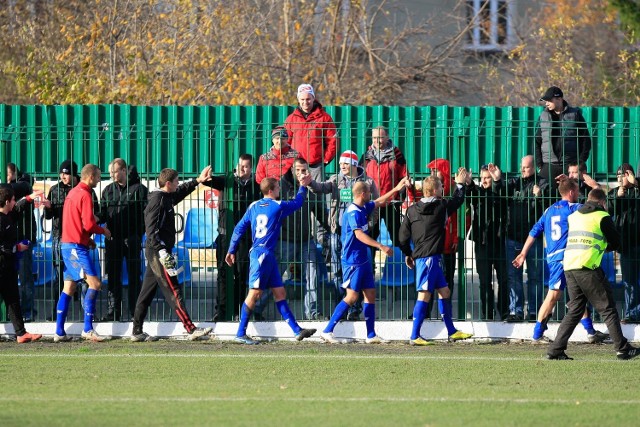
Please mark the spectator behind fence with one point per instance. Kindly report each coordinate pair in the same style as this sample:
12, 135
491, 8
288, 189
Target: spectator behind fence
279, 159
625, 208
356, 259
22, 184
10, 249
591, 233
79, 224
312, 131
562, 136
525, 203
425, 226
585, 182
488, 235
340, 187
159, 223
264, 218
386, 165
554, 224
123, 202
297, 246
239, 189
68, 173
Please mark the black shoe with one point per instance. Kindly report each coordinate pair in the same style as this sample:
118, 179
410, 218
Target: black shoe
305, 333
533, 317
513, 318
629, 353
110, 317
218, 316
353, 316
561, 356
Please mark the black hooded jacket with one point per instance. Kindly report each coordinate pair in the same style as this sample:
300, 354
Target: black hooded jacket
123, 206
425, 224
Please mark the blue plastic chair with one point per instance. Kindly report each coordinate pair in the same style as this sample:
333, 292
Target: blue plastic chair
385, 236
43, 269
395, 272
201, 229
609, 266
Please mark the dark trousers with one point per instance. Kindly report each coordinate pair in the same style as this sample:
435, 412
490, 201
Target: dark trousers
10, 293
549, 172
449, 261
489, 258
392, 218
240, 276
155, 276
115, 250
592, 286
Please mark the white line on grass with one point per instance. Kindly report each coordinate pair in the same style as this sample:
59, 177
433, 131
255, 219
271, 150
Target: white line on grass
295, 356
194, 399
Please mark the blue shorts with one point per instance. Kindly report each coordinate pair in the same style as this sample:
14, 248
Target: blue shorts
557, 281
263, 270
358, 277
77, 261
430, 274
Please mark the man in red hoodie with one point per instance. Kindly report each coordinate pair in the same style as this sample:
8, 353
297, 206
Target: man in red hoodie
312, 132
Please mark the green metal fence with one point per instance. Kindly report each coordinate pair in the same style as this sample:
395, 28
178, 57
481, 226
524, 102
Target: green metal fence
38, 138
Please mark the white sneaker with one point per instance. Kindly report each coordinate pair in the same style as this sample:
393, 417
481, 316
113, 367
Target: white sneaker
329, 338
92, 335
61, 338
198, 332
543, 340
376, 340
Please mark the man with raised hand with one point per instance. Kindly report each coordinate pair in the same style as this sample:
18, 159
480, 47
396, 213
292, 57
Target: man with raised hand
357, 270
264, 217
159, 222
425, 225
79, 224
554, 224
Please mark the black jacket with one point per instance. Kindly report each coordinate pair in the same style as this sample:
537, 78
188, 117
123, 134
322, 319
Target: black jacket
9, 236
562, 138
489, 214
25, 220
123, 206
235, 194
425, 224
159, 216
626, 212
524, 208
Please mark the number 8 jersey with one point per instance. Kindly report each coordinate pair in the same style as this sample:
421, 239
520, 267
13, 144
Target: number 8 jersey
265, 217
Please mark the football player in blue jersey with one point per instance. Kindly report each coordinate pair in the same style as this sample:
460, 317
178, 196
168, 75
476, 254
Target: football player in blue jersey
264, 217
357, 271
553, 223
425, 225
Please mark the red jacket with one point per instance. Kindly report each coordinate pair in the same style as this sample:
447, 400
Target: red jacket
386, 167
77, 216
275, 163
448, 187
310, 135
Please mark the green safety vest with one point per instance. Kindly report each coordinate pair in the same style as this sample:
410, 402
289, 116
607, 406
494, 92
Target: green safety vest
585, 244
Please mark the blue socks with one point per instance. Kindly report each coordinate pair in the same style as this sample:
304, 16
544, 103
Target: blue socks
444, 305
287, 315
539, 329
588, 325
419, 313
61, 313
245, 313
89, 309
370, 319
341, 308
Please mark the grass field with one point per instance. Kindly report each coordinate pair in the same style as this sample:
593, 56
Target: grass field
309, 384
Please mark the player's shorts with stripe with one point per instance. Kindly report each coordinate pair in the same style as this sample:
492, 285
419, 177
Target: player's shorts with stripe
430, 273
77, 261
358, 277
263, 269
557, 281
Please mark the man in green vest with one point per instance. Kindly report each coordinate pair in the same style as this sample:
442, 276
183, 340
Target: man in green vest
591, 233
